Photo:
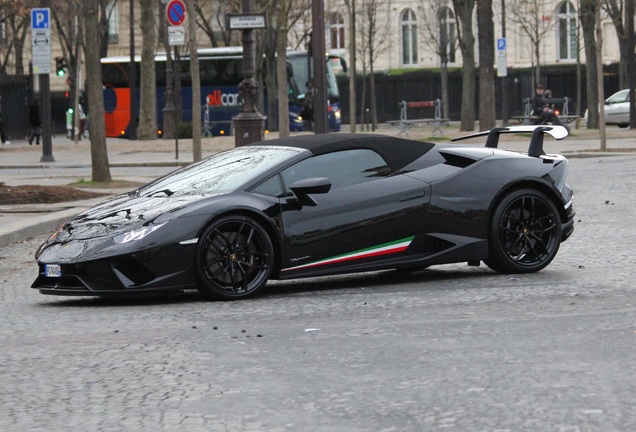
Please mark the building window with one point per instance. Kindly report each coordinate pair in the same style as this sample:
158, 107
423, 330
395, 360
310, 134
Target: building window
568, 45
336, 31
447, 33
409, 38
113, 22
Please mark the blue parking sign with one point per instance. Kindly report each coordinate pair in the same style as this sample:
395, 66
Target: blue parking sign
501, 44
40, 18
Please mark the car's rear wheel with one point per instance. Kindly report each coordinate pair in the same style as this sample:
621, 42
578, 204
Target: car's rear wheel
234, 257
525, 233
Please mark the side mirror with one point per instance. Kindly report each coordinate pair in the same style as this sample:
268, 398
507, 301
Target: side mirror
315, 185
343, 62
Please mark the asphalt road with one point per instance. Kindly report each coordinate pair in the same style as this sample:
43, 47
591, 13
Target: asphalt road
447, 348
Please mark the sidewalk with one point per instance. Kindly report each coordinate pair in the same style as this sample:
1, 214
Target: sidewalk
20, 164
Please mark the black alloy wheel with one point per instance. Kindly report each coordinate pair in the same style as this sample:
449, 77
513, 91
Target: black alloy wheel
234, 257
525, 233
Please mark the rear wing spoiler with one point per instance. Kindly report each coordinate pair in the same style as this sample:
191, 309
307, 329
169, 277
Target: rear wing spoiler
535, 149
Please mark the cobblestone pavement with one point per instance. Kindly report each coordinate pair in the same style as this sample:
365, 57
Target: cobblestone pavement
447, 348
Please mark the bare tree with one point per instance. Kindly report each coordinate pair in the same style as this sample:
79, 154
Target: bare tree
631, 63
147, 129
99, 153
281, 68
485, 25
273, 49
66, 17
464, 11
209, 18
374, 37
534, 21
439, 32
616, 9
16, 17
598, 30
106, 9
588, 22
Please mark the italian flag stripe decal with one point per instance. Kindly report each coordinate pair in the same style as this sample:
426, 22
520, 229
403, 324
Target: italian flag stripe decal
383, 249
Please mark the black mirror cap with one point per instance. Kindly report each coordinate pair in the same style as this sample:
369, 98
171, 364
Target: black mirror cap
314, 185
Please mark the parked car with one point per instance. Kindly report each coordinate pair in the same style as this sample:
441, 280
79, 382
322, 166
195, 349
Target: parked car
317, 205
616, 109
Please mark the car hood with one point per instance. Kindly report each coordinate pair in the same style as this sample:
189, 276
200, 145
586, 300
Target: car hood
122, 213
94, 229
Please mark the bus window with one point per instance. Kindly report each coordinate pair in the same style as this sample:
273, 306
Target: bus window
220, 74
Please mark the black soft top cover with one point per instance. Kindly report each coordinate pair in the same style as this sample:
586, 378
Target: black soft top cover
397, 152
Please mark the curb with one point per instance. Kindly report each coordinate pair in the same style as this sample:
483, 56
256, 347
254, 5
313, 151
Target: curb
36, 226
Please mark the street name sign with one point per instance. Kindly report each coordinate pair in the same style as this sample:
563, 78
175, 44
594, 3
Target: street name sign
41, 40
246, 21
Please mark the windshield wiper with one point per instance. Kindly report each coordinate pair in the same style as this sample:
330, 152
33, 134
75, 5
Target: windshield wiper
168, 192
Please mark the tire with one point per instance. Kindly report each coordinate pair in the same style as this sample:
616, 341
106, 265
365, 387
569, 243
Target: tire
234, 258
525, 233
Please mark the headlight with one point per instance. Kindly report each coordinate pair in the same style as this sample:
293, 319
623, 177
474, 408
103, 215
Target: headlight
337, 114
137, 234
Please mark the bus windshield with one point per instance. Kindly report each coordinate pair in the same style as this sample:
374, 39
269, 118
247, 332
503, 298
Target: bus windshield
300, 66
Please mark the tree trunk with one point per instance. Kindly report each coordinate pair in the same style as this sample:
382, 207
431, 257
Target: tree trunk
363, 98
267, 79
444, 78
464, 10
372, 99
599, 73
103, 28
196, 82
537, 59
487, 112
351, 5
588, 25
99, 153
281, 70
631, 62
147, 129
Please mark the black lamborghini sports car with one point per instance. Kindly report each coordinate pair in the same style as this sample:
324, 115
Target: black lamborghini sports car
317, 205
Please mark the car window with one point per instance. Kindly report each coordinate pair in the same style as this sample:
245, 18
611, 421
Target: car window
343, 168
270, 187
621, 96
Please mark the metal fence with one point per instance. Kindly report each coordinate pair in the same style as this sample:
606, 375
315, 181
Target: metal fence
426, 85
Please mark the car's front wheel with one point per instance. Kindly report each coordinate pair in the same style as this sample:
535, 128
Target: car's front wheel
234, 258
525, 233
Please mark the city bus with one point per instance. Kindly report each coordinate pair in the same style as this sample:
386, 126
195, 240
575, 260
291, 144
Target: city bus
220, 75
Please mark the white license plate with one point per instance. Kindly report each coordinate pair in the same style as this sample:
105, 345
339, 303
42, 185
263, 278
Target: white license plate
53, 270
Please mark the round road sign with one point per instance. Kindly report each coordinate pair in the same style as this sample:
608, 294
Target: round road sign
175, 12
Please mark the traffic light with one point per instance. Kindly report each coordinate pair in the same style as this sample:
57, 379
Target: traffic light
60, 66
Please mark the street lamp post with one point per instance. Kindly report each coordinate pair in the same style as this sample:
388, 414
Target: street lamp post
320, 69
249, 124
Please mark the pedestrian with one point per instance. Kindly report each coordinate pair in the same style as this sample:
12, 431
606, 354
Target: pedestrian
3, 136
36, 123
541, 108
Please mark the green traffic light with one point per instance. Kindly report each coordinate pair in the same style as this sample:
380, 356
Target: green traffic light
60, 73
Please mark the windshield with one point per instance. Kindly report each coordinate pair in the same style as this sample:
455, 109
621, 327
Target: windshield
300, 67
223, 172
